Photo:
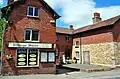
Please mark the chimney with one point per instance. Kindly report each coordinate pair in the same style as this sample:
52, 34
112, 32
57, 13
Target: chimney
71, 27
96, 18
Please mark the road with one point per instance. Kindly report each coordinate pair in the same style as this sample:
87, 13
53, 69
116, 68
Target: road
113, 74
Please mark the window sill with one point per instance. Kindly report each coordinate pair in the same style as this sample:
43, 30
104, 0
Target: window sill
31, 41
76, 46
32, 16
47, 62
67, 40
27, 66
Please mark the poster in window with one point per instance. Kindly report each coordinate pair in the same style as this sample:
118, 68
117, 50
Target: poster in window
32, 57
21, 57
43, 56
51, 57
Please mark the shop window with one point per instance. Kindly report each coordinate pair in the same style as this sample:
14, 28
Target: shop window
67, 38
32, 35
44, 57
47, 57
27, 57
33, 11
51, 57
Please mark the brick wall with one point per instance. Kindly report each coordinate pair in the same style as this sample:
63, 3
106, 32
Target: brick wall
63, 44
15, 33
100, 35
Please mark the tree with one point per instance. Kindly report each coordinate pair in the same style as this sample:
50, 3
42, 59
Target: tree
3, 27
1, 32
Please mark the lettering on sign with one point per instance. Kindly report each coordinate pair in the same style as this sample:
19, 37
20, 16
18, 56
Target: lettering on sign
30, 45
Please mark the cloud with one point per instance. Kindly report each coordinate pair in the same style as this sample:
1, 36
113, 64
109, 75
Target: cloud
80, 12
3, 3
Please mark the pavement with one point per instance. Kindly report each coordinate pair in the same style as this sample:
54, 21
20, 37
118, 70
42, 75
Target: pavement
113, 74
87, 67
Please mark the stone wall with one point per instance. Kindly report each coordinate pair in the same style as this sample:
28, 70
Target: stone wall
106, 54
117, 53
101, 54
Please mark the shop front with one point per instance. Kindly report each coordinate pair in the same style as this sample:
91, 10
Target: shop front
30, 58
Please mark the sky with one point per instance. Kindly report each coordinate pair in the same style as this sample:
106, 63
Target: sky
79, 13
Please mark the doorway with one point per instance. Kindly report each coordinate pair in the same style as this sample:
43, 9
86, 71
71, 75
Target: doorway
67, 53
78, 56
86, 57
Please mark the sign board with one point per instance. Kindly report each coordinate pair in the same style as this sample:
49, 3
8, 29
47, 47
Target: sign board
29, 45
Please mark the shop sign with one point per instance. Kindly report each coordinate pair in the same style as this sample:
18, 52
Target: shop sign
29, 45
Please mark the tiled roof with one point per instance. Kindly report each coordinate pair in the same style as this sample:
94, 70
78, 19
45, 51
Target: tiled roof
104, 23
63, 30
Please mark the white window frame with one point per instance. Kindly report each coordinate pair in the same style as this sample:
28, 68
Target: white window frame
77, 53
67, 38
77, 46
33, 12
27, 59
47, 61
31, 35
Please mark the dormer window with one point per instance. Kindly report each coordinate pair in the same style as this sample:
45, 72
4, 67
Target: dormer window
32, 11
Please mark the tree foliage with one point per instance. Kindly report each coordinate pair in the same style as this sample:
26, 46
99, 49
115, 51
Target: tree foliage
1, 31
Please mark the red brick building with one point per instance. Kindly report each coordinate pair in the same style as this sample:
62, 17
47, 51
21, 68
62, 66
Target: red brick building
97, 43
30, 38
33, 44
64, 43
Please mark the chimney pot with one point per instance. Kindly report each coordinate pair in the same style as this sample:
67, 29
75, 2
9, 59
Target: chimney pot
71, 27
96, 14
96, 18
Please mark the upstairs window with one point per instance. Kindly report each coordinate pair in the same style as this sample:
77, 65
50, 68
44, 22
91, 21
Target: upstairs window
33, 11
77, 44
67, 38
31, 35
